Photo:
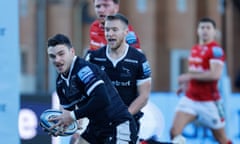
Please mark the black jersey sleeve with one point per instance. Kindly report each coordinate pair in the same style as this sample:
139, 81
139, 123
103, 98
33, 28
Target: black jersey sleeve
144, 68
98, 100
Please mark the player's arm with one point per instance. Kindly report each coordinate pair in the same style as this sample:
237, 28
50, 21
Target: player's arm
98, 100
144, 88
215, 72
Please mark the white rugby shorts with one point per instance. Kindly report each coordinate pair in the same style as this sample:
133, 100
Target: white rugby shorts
210, 113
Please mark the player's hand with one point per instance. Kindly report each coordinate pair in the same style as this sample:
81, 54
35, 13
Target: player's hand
80, 123
179, 91
184, 78
62, 122
182, 88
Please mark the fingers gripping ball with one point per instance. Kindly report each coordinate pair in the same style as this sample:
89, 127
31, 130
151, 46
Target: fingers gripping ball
45, 124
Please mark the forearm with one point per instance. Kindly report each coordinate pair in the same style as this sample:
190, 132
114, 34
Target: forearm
137, 104
214, 72
99, 100
144, 92
204, 76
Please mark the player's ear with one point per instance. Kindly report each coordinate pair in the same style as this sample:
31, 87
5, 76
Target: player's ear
126, 30
72, 50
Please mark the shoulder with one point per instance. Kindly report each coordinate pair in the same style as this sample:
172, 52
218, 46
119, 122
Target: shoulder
216, 50
82, 63
135, 54
83, 66
95, 24
100, 51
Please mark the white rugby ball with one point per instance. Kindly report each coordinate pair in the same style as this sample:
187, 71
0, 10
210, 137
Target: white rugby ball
47, 114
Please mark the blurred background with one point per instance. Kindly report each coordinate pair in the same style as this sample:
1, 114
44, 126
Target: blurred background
167, 30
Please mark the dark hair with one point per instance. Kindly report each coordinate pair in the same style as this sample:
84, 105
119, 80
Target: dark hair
59, 39
115, 1
118, 16
207, 19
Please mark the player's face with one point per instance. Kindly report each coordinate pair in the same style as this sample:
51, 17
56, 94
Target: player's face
206, 32
115, 33
104, 8
61, 56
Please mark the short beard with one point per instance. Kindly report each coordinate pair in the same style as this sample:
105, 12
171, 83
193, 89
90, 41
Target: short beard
119, 45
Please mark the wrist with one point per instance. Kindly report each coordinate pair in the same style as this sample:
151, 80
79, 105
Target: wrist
73, 116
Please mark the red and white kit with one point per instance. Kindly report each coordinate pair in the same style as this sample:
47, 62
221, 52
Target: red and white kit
202, 97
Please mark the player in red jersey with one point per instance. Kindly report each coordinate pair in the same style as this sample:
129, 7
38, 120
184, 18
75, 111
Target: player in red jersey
97, 37
202, 100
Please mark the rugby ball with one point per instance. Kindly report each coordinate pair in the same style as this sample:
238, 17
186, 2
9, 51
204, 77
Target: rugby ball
44, 123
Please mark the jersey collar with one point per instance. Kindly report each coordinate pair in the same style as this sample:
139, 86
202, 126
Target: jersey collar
115, 61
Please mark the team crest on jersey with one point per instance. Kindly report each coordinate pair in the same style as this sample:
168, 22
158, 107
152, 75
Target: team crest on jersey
85, 74
126, 72
217, 52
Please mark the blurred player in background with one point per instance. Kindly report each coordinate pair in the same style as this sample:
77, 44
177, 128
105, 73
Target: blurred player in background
128, 68
97, 37
86, 91
202, 100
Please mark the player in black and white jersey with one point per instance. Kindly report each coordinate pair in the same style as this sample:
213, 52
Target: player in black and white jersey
128, 68
86, 91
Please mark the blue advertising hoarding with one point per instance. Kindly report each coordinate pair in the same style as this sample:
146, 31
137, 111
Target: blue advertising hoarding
159, 114
9, 72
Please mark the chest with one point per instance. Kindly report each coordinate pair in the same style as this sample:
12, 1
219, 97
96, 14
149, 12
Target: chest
200, 58
71, 88
120, 70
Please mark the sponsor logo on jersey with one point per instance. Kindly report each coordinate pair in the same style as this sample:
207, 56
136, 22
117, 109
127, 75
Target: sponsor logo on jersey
121, 83
217, 52
146, 68
131, 38
86, 74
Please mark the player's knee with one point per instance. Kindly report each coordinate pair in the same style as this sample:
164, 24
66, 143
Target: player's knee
179, 140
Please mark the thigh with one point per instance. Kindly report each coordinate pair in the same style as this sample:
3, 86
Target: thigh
186, 105
181, 119
185, 113
211, 115
124, 133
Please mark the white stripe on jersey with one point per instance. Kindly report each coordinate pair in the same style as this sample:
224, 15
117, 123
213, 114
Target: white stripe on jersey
71, 104
93, 86
139, 82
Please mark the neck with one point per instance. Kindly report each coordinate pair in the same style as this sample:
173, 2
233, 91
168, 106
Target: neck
65, 74
202, 42
117, 52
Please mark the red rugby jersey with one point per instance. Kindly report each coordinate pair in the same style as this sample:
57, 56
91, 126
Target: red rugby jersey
199, 61
97, 37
